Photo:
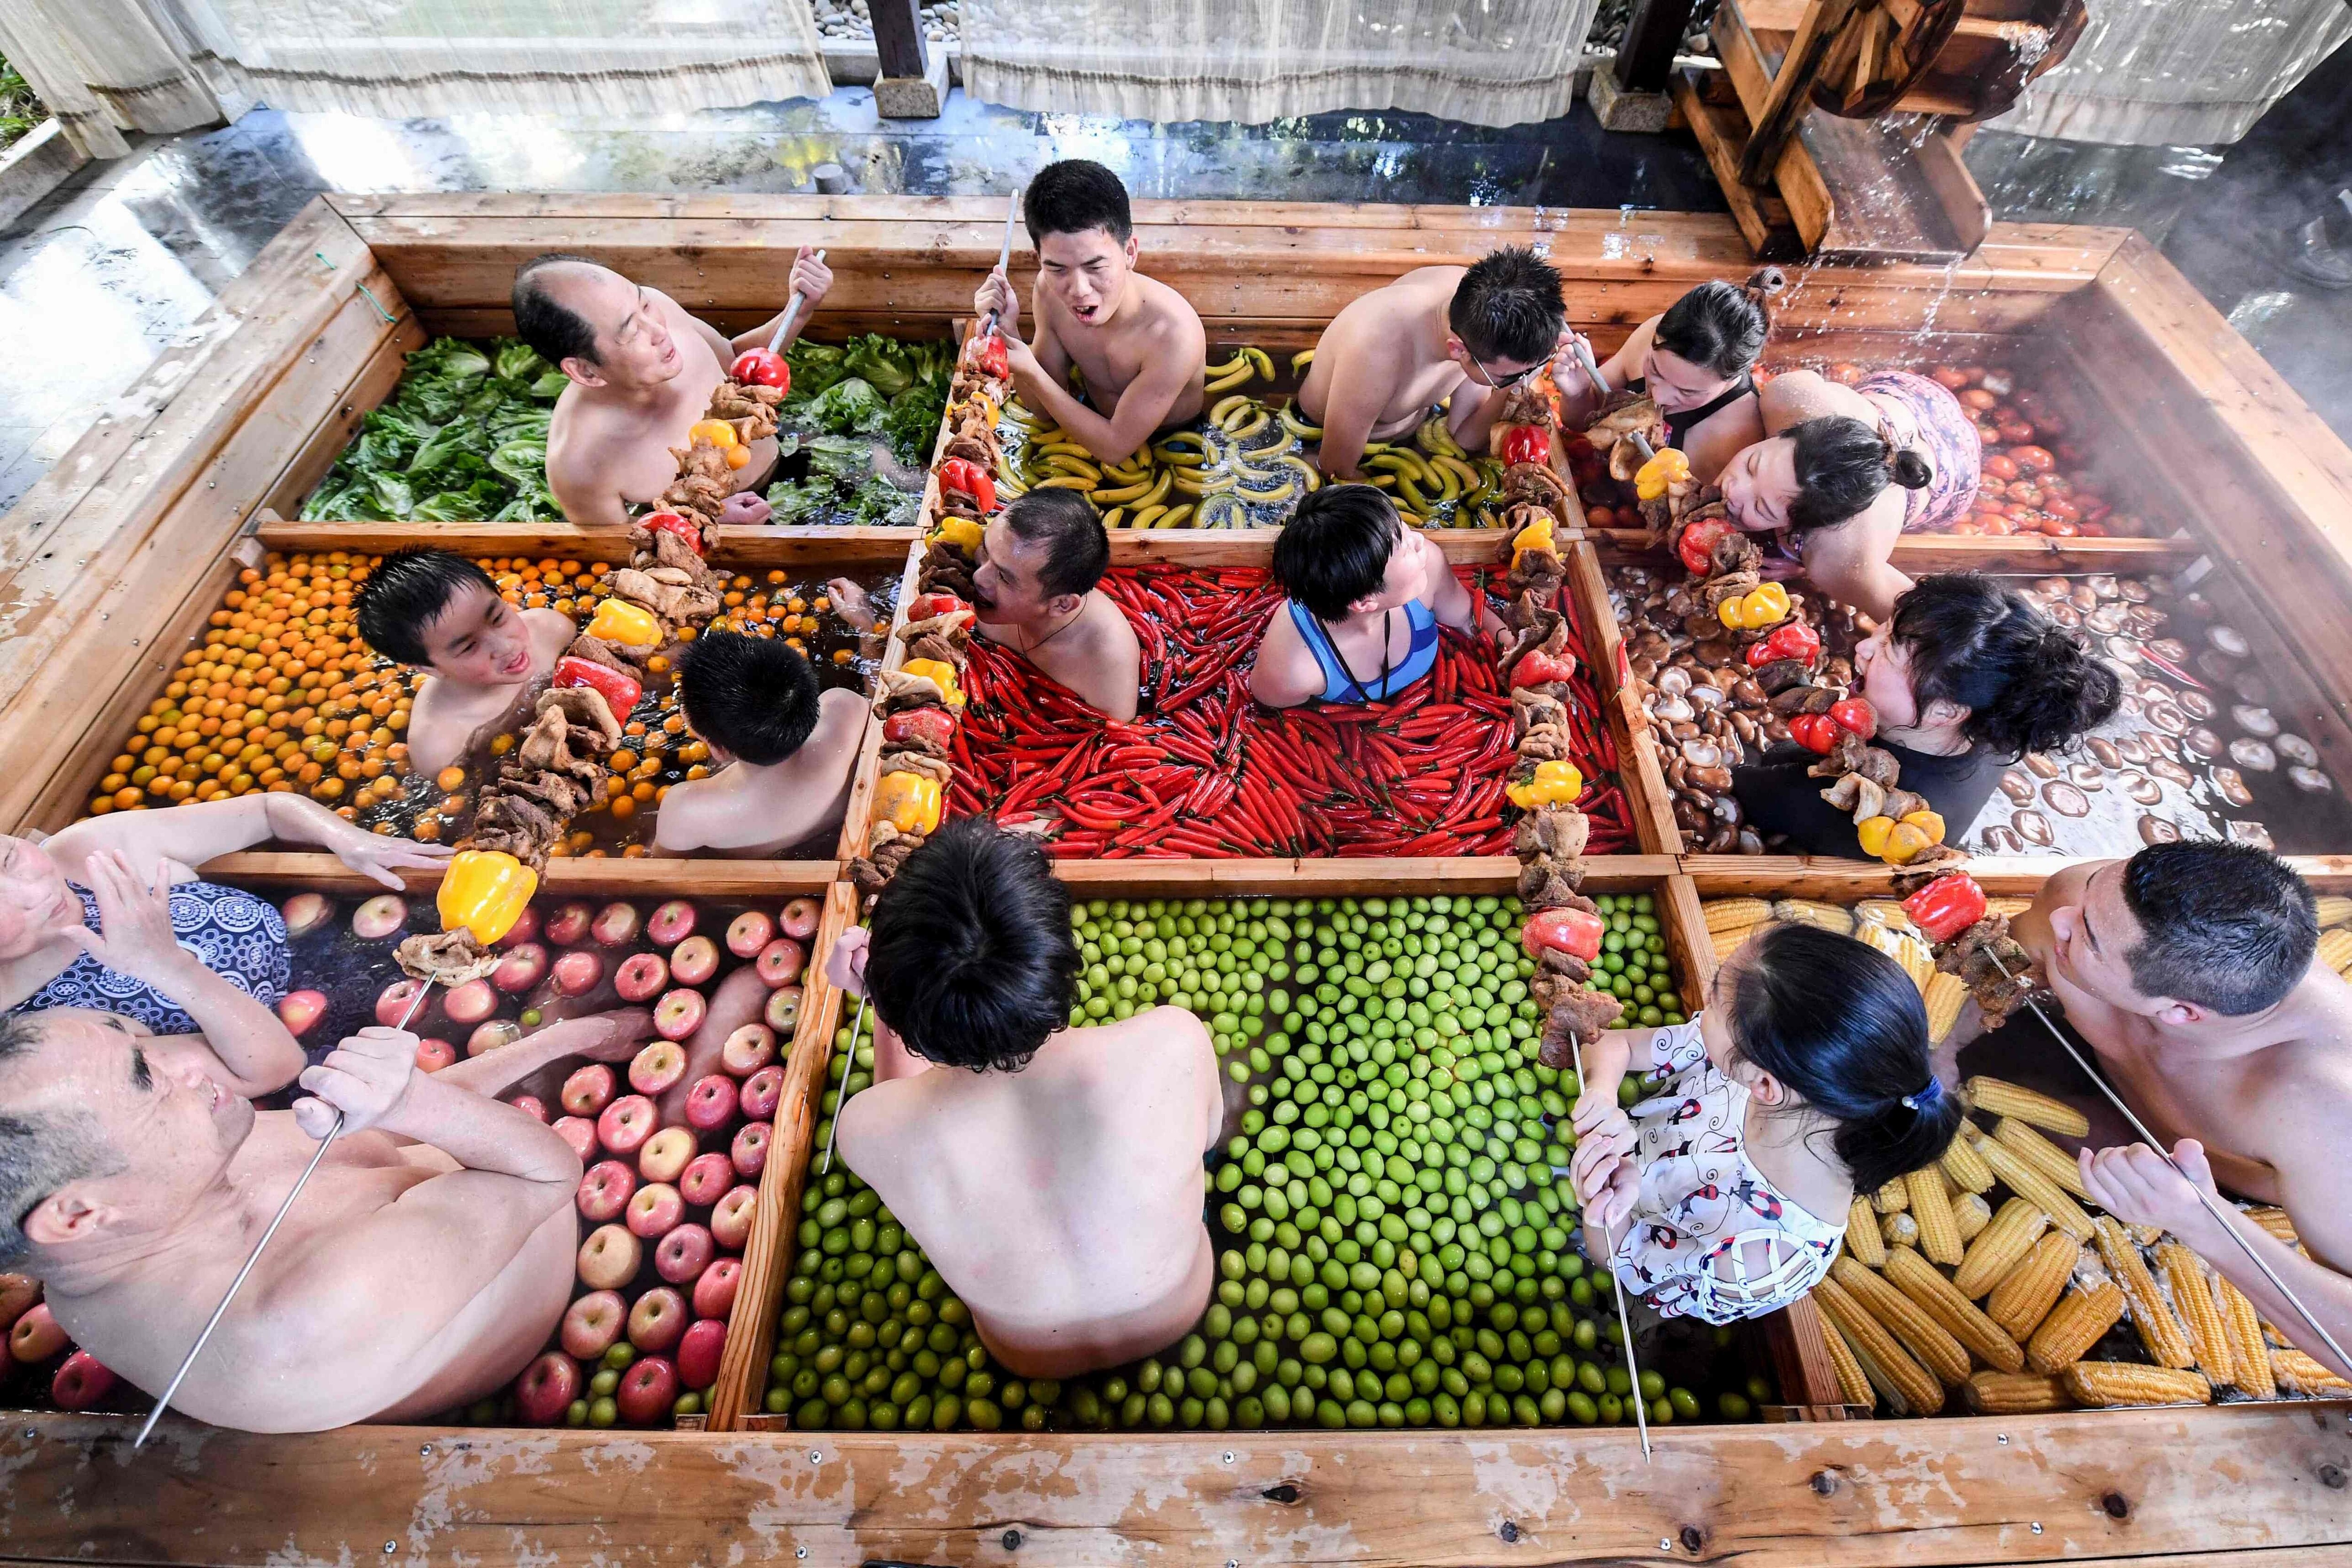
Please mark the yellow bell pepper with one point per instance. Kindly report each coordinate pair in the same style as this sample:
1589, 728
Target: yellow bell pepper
960, 531
1907, 840
1765, 604
718, 432
1927, 822
617, 620
1660, 474
1873, 832
942, 675
486, 891
908, 801
1534, 536
1555, 784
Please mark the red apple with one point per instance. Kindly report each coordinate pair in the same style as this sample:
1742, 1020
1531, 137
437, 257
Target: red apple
589, 1089
706, 1179
525, 929
610, 1258
658, 1320
306, 912
714, 1293
604, 1190
783, 1012
659, 1064
748, 1154
577, 973
640, 975
594, 1322
698, 1352
663, 1158
530, 1105
655, 1211
524, 967
761, 1090
301, 1011
748, 932
731, 1218
679, 1012
682, 1254
748, 1049
493, 1035
625, 1124
671, 923
17, 1294
710, 1104
433, 1055
37, 1336
693, 961
781, 960
569, 923
470, 1002
392, 1005
546, 1389
801, 917
578, 1132
380, 917
616, 925
80, 1382
647, 1390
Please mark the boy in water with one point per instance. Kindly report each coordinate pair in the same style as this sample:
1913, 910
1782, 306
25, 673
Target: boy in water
429, 607
789, 751
1138, 344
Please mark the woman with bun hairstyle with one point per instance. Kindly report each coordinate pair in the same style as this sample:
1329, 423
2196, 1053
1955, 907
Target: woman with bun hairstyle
1965, 676
1696, 363
1844, 471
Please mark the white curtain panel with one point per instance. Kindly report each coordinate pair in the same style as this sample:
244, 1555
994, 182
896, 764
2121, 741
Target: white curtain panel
2180, 73
104, 66
1489, 62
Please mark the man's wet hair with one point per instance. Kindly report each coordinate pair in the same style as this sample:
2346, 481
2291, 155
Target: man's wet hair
2226, 926
1508, 306
755, 696
1073, 197
557, 330
407, 591
38, 1153
1077, 549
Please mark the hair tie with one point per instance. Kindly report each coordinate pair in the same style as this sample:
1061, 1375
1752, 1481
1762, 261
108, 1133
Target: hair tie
1925, 1100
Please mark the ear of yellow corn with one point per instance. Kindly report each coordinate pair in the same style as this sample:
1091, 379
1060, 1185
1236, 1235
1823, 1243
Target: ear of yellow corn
1726, 941
1727, 914
1835, 919
2250, 1355
1924, 1338
2111, 1382
1998, 1097
2299, 1373
1862, 1234
1971, 1213
2336, 949
1892, 1198
2027, 1292
1899, 1229
2041, 1154
2076, 1323
1909, 1389
1958, 1316
1965, 1166
2160, 1330
1854, 1383
2000, 1248
2334, 910
2274, 1220
1945, 996
1939, 1233
2034, 1187
2015, 1394
2192, 1298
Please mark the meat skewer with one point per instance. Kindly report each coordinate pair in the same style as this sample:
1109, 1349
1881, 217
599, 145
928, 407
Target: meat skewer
1625, 1328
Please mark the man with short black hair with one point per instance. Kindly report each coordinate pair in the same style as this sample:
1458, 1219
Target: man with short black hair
429, 607
1034, 592
1138, 344
1468, 333
2189, 969
786, 749
642, 372
1054, 1180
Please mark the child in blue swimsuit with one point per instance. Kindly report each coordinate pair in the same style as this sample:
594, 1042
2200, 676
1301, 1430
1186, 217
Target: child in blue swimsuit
1365, 597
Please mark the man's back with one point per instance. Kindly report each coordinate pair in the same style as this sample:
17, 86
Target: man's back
1063, 1202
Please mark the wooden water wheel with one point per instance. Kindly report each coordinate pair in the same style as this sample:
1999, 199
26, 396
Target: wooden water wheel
1879, 50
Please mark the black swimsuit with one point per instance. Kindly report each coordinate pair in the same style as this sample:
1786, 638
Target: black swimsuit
1680, 426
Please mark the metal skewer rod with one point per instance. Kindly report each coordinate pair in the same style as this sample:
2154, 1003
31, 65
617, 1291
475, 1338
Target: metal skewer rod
792, 314
1592, 368
1003, 254
1625, 1328
189, 1362
2212, 1206
832, 1130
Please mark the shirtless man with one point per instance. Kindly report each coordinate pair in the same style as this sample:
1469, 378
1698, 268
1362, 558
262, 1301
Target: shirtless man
429, 607
1470, 333
413, 1275
1034, 592
2189, 971
1052, 1174
787, 750
641, 372
1138, 344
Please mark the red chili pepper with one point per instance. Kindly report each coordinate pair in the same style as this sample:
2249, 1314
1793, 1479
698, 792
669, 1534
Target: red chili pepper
1947, 906
1526, 444
1857, 715
963, 474
1697, 546
620, 693
1814, 732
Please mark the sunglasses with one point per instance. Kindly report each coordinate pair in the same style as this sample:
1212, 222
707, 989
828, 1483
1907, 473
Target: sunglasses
1500, 383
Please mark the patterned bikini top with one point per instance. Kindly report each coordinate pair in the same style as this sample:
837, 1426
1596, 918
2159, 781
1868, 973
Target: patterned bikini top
239, 937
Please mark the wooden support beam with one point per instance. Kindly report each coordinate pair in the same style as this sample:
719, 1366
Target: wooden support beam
898, 38
1654, 35
1792, 87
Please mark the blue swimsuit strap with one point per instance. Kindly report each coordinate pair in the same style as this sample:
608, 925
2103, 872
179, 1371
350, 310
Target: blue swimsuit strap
1339, 682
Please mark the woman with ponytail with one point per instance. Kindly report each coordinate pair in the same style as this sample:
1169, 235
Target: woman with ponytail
1965, 676
1696, 364
1722, 1194
1846, 470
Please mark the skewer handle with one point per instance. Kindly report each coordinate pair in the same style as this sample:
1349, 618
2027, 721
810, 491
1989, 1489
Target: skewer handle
1625, 1326
1003, 254
791, 313
1592, 368
833, 1131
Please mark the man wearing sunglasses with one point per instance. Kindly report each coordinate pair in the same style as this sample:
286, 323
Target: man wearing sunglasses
1467, 333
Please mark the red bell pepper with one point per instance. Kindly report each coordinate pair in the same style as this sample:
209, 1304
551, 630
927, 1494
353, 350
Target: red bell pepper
688, 533
925, 606
1814, 732
761, 367
991, 358
1791, 639
963, 474
1526, 444
1572, 931
1537, 668
620, 693
931, 724
1857, 715
1947, 906
1697, 544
